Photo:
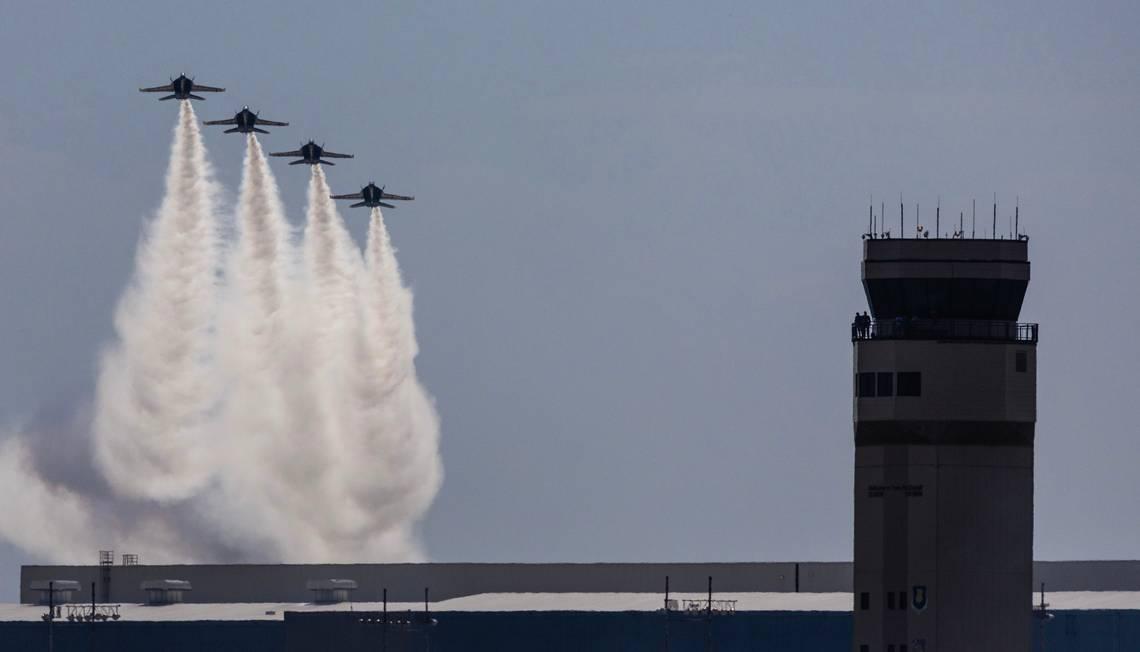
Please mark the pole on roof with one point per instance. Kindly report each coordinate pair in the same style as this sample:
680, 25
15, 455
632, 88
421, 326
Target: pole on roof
995, 217
51, 616
902, 221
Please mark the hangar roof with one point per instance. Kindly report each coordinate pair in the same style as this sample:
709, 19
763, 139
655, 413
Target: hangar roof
517, 602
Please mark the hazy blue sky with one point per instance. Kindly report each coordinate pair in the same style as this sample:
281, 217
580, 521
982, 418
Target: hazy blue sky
635, 244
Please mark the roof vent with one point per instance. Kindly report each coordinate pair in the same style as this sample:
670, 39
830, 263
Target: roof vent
164, 591
64, 590
330, 591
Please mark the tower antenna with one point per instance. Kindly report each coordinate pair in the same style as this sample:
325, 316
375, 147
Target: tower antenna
1017, 217
938, 218
902, 222
871, 216
974, 220
995, 217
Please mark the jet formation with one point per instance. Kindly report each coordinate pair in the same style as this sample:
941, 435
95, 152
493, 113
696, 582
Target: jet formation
247, 121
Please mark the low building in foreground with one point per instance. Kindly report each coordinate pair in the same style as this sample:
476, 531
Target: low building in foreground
504, 607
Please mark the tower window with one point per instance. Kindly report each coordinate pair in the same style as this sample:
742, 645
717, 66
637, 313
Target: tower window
890, 599
902, 599
910, 383
864, 648
866, 384
885, 383
1021, 362
864, 601
891, 648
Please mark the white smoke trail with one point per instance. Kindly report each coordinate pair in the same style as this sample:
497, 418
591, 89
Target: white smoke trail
156, 393
253, 341
397, 428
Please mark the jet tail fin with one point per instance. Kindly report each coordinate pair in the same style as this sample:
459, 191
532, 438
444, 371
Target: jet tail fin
359, 204
195, 97
231, 131
260, 131
386, 205
322, 162
297, 162
168, 97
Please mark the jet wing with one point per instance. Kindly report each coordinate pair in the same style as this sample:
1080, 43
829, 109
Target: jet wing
328, 154
355, 195
208, 89
169, 88
271, 123
387, 195
295, 152
231, 121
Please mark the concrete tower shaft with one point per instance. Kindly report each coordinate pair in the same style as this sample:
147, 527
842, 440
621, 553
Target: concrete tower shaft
944, 411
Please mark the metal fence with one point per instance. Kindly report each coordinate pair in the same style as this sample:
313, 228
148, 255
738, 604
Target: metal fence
903, 328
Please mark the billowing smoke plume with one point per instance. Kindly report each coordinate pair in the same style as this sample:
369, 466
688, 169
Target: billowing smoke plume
260, 405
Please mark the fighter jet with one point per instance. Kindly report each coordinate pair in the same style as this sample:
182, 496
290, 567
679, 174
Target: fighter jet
182, 88
371, 194
311, 154
246, 122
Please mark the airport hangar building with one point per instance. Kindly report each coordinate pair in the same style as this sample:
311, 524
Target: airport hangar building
944, 403
1091, 605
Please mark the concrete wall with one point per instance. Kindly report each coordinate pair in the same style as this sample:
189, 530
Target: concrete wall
961, 381
405, 582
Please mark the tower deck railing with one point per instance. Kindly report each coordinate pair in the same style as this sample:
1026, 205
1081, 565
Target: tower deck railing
903, 328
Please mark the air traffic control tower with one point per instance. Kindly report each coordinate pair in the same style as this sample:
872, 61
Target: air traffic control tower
944, 410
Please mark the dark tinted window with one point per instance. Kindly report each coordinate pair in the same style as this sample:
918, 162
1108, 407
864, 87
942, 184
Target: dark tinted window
890, 599
1021, 361
902, 647
864, 601
949, 298
890, 648
867, 384
885, 385
864, 648
910, 383
902, 599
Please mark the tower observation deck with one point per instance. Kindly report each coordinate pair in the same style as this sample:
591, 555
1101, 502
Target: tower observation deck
944, 412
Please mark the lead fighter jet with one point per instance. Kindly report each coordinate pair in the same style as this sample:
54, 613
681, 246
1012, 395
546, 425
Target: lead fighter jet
246, 122
182, 88
371, 194
311, 153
